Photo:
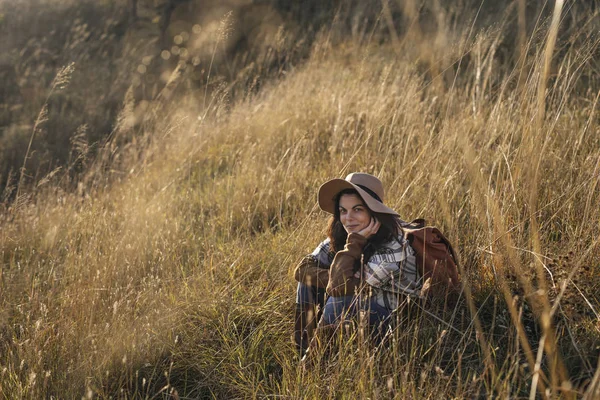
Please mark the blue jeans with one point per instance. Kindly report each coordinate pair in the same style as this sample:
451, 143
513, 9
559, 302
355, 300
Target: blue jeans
306, 295
345, 308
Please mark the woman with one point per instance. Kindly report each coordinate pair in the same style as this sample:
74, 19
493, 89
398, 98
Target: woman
365, 264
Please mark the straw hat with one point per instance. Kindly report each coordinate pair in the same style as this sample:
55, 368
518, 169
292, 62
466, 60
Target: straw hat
369, 188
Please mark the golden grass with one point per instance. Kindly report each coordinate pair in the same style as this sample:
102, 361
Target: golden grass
168, 272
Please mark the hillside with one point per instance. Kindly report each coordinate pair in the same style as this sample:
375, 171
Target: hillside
148, 241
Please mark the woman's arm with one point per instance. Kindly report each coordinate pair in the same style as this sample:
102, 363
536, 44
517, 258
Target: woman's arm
313, 269
342, 279
310, 273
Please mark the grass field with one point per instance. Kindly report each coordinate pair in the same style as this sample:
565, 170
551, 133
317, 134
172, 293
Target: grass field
163, 268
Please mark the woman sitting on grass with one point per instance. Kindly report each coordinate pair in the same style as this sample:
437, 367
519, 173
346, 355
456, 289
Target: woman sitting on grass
365, 264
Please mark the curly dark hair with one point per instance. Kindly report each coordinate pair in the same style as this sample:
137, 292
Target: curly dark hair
389, 230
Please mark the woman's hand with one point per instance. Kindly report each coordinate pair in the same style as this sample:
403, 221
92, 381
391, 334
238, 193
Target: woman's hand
371, 229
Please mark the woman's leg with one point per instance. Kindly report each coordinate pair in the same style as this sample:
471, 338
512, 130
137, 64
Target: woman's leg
338, 309
344, 308
307, 300
378, 318
313, 295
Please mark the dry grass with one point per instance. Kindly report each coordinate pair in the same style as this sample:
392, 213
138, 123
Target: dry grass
168, 271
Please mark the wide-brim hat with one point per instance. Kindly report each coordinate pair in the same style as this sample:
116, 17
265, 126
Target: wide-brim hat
369, 188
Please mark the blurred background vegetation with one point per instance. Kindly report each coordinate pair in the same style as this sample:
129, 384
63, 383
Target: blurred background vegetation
233, 45
159, 161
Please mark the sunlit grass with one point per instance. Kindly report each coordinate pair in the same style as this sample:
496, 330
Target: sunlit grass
168, 271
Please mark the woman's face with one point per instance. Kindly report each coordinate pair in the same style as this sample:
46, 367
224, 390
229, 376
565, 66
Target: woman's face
354, 215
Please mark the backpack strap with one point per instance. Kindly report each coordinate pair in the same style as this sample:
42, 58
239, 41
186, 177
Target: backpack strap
418, 223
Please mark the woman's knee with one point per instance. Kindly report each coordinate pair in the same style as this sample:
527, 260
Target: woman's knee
339, 308
306, 295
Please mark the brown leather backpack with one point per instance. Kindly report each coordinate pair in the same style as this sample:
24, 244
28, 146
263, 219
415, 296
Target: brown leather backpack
436, 260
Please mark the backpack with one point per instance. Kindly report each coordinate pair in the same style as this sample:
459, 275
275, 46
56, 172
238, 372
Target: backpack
437, 263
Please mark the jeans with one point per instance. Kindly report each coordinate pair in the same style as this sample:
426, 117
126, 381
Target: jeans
345, 308
306, 295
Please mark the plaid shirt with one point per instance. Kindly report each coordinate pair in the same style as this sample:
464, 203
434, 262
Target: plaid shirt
391, 272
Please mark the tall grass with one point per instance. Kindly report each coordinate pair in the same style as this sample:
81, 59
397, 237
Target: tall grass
168, 272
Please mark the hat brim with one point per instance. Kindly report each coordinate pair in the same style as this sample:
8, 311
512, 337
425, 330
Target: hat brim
330, 189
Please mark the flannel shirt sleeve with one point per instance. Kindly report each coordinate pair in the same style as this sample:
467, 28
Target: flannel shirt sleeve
323, 255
